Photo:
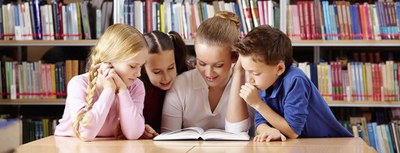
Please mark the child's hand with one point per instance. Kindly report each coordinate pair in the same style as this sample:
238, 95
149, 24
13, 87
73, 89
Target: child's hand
149, 132
104, 76
268, 135
119, 82
249, 93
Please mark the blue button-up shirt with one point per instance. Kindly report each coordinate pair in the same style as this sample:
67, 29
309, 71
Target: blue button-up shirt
296, 99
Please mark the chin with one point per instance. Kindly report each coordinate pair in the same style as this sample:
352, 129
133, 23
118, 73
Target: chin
212, 84
261, 88
164, 88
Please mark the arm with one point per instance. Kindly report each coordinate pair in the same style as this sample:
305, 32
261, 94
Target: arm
237, 111
97, 115
250, 94
172, 115
131, 110
275, 120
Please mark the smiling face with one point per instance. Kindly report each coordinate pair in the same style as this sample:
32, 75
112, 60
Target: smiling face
259, 74
129, 70
161, 69
214, 64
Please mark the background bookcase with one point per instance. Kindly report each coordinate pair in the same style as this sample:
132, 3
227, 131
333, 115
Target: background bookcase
312, 51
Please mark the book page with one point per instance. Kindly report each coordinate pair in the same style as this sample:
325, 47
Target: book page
191, 133
218, 134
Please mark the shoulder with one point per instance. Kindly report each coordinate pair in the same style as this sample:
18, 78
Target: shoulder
186, 78
79, 80
294, 75
137, 86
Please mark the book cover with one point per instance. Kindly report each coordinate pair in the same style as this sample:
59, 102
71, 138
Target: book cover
195, 133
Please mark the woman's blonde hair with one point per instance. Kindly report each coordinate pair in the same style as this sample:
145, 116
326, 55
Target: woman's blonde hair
222, 29
119, 42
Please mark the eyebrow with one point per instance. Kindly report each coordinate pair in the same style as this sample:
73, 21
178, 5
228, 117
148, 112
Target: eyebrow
167, 67
220, 62
171, 64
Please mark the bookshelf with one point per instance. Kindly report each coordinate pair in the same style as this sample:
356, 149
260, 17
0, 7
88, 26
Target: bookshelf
32, 102
317, 47
315, 44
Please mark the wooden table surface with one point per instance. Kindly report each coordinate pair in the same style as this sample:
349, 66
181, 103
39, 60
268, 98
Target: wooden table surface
53, 144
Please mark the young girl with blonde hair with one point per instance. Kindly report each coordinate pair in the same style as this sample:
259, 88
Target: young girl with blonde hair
108, 99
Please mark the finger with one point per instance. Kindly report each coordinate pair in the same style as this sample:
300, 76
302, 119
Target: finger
256, 138
244, 91
245, 88
249, 86
96, 66
269, 138
283, 138
242, 95
149, 129
106, 72
149, 135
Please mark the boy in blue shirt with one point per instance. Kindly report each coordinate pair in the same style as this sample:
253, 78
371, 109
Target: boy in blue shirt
287, 102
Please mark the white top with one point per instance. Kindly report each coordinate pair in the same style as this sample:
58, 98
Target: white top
186, 105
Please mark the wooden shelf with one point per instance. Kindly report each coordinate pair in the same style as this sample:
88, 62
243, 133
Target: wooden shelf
299, 43
57, 42
363, 103
347, 43
32, 102
331, 103
47, 42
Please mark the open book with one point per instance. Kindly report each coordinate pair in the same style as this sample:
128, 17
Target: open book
195, 133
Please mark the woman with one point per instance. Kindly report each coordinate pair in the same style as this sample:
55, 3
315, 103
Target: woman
199, 97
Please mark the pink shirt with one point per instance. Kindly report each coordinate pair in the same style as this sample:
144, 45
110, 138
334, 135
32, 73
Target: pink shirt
109, 108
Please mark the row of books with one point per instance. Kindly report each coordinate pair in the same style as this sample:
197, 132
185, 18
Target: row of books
33, 80
33, 129
185, 16
385, 138
355, 81
342, 20
35, 20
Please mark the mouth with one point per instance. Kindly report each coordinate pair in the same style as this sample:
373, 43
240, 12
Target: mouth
165, 84
211, 79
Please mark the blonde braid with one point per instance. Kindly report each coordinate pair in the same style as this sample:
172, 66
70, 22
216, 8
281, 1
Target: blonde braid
89, 101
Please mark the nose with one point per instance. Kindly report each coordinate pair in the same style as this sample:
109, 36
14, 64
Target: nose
250, 79
138, 73
166, 77
209, 70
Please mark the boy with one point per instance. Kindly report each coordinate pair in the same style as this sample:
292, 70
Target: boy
287, 102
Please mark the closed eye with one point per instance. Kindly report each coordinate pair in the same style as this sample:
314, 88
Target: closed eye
202, 64
156, 72
219, 65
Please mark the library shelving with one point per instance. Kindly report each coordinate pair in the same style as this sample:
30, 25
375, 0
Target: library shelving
278, 16
315, 44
